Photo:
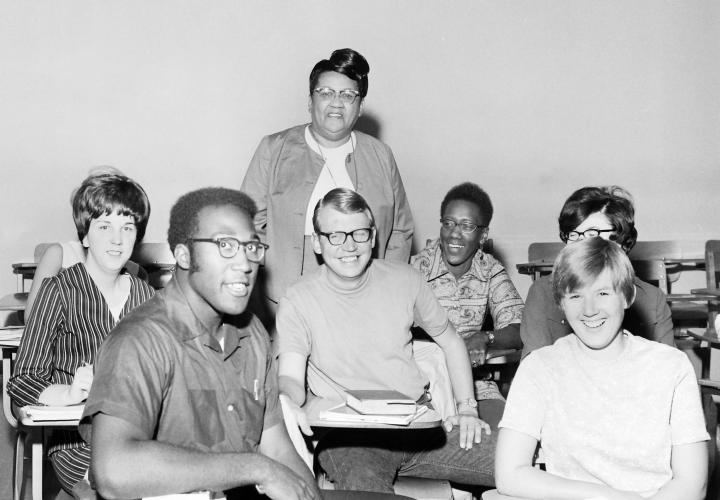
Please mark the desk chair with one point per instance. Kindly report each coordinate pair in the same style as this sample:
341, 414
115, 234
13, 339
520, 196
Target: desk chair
708, 386
685, 310
8, 355
544, 252
432, 362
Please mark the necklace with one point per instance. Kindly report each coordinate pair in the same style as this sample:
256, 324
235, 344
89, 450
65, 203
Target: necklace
324, 156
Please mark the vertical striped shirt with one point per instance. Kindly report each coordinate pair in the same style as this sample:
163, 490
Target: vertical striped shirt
69, 322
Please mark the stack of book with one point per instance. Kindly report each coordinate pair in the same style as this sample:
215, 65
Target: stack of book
375, 406
52, 413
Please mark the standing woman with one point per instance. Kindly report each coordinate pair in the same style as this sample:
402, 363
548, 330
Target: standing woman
293, 169
75, 311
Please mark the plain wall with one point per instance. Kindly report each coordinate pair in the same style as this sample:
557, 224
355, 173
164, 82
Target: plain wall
530, 99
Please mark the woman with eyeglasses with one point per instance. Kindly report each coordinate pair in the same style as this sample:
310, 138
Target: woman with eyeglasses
293, 169
608, 213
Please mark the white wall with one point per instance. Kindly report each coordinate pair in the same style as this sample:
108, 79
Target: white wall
530, 99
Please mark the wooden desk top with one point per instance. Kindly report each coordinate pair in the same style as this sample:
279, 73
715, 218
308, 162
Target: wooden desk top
10, 337
314, 406
709, 337
14, 302
24, 267
547, 265
503, 356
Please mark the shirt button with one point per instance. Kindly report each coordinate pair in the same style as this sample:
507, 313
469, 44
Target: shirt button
231, 407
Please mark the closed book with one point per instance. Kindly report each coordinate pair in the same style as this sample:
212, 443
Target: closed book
380, 402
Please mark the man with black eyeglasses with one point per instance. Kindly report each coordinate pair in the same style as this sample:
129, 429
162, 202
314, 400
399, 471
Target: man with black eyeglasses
473, 285
347, 326
185, 391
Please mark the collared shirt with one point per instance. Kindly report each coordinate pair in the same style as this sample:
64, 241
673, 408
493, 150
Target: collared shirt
485, 286
162, 371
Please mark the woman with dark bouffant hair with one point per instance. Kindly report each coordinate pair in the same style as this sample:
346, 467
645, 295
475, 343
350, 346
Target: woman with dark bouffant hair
605, 212
293, 169
75, 311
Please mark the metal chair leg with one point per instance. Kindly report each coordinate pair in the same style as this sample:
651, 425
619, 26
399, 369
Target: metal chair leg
18, 466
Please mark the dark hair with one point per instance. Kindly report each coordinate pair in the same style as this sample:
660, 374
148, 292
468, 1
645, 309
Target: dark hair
579, 265
345, 201
184, 220
346, 62
613, 201
470, 192
104, 194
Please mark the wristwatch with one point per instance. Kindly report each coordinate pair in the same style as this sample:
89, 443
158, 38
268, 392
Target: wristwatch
491, 338
467, 402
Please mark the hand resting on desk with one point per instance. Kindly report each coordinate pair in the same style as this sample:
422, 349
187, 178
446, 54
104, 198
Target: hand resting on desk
64, 394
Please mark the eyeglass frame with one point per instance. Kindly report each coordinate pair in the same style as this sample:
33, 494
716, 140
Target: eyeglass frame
566, 236
371, 233
338, 94
453, 224
240, 244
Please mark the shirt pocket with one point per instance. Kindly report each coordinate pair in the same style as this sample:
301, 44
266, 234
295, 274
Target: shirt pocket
208, 424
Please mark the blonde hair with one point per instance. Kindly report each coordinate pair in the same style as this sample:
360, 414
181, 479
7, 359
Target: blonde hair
579, 265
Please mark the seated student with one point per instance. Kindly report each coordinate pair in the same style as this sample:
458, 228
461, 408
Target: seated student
76, 310
351, 321
617, 416
470, 283
185, 394
607, 213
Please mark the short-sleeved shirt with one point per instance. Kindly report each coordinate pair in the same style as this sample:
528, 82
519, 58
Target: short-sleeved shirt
544, 322
361, 338
611, 422
485, 287
163, 372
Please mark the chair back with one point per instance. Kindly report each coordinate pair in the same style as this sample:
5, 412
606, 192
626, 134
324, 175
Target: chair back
544, 251
157, 260
712, 273
712, 263
649, 262
652, 271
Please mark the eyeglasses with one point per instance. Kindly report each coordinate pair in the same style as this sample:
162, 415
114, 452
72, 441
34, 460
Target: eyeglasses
347, 96
338, 238
229, 247
465, 226
581, 235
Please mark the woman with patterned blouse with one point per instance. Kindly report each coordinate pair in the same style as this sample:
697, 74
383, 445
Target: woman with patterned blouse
78, 308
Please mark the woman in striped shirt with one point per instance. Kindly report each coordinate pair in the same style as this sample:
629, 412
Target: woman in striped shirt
78, 308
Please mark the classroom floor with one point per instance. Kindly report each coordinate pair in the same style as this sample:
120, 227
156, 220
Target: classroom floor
7, 443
